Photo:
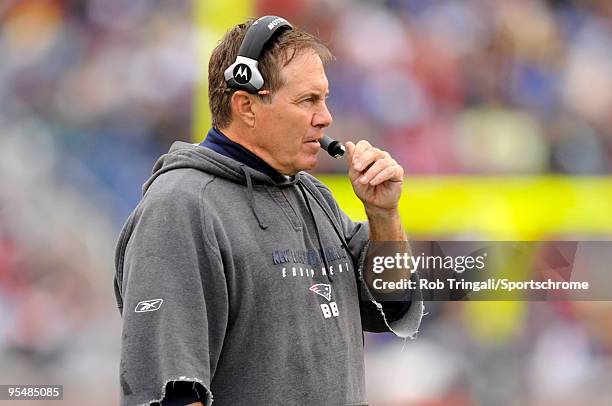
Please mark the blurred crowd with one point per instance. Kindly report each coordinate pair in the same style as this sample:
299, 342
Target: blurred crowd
92, 92
474, 86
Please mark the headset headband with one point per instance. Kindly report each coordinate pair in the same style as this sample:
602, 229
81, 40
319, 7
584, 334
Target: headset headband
243, 73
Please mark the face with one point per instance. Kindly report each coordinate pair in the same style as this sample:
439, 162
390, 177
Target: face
287, 130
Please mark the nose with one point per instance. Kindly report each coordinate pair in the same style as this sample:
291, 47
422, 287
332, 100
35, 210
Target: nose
322, 118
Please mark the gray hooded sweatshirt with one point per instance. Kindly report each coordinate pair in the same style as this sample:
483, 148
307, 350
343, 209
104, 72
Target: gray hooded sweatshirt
247, 286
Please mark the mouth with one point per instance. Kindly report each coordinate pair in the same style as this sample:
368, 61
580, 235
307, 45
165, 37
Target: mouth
313, 141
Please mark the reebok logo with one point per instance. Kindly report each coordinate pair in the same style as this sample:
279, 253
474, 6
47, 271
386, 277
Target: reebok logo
148, 305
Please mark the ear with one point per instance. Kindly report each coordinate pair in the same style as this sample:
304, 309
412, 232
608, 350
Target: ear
242, 107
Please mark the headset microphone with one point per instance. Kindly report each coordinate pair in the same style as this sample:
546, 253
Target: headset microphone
334, 148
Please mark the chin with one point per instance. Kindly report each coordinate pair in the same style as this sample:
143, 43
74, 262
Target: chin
301, 162
309, 164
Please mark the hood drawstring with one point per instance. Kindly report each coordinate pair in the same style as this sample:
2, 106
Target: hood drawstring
251, 197
329, 216
316, 227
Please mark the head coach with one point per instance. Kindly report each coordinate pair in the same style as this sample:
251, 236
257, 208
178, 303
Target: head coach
238, 277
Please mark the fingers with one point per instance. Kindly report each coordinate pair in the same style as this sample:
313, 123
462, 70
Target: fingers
393, 173
382, 170
371, 165
358, 160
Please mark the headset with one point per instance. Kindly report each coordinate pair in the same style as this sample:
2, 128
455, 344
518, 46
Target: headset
244, 73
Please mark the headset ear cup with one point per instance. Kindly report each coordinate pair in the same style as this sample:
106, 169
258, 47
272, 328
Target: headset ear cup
244, 74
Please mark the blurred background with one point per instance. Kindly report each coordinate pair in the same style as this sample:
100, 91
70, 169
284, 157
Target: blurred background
499, 111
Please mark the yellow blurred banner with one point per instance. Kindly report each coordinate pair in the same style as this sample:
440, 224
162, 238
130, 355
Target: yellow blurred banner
212, 20
496, 208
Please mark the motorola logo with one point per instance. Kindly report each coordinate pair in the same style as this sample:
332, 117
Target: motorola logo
276, 22
242, 73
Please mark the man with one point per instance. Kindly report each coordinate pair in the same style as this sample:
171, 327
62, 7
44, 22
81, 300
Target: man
238, 276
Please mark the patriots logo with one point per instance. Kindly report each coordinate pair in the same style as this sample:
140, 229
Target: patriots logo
322, 289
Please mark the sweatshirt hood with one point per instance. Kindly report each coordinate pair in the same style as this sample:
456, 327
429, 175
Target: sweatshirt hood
184, 155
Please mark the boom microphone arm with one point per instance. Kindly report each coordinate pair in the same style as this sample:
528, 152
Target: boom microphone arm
334, 148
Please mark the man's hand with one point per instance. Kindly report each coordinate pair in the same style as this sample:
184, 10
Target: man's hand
377, 180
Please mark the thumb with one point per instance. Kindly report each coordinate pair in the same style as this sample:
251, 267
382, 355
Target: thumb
350, 150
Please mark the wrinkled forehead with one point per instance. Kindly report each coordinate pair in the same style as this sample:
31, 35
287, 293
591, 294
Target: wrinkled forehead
305, 71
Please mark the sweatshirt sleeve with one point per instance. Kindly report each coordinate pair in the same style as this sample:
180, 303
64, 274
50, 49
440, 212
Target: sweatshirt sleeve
172, 294
402, 318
